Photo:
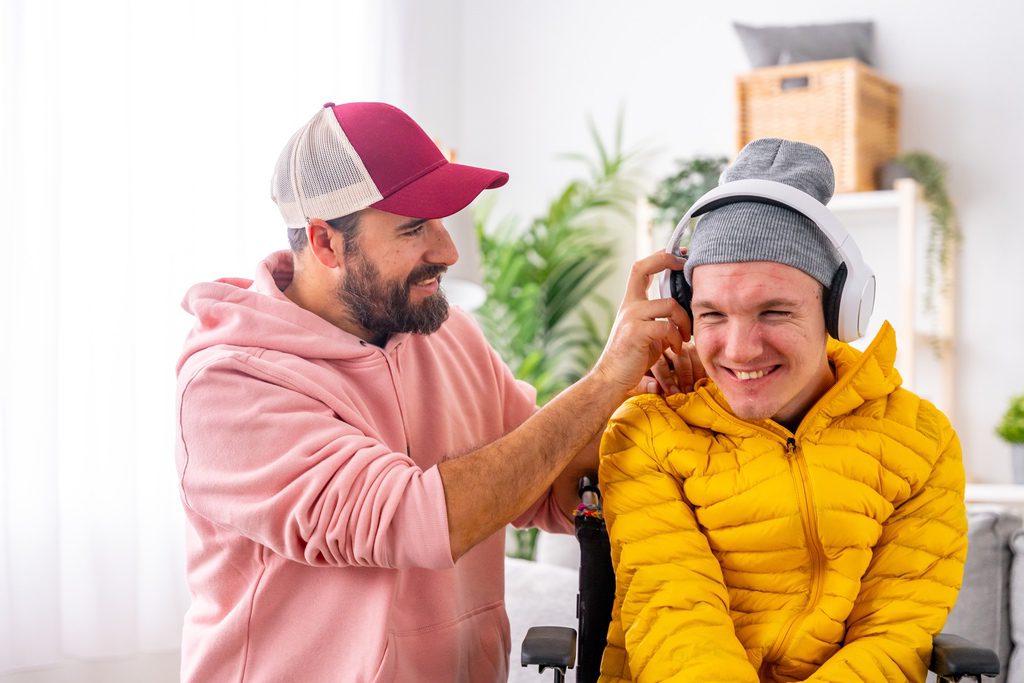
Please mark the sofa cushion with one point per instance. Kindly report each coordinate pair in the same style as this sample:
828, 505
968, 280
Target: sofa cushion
982, 612
1016, 667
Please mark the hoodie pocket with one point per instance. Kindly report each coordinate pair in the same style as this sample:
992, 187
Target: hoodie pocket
473, 648
386, 670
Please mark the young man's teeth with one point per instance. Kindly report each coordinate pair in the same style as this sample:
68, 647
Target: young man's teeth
756, 374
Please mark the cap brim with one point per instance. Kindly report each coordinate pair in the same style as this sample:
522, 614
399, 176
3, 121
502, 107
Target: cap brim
444, 191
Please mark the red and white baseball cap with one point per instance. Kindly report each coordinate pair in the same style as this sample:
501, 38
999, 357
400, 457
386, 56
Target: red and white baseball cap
351, 156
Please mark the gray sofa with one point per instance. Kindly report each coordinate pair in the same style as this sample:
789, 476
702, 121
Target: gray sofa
989, 611
990, 608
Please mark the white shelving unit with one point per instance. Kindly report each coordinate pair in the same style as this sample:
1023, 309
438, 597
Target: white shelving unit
1008, 495
891, 228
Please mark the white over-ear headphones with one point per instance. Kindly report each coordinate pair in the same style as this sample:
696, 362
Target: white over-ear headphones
849, 299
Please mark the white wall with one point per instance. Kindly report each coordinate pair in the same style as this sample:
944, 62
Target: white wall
527, 74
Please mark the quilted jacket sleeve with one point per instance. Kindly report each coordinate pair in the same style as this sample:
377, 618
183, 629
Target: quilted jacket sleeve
911, 583
670, 620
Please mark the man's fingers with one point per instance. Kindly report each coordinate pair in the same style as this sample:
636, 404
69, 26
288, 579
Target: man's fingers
642, 270
699, 372
691, 369
655, 335
664, 373
647, 385
652, 309
683, 370
670, 335
678, 372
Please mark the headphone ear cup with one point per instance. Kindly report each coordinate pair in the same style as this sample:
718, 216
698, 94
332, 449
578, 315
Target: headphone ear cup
681, 291
832, 301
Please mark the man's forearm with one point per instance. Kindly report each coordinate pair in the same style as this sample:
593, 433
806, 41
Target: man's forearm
566, 486
488, 488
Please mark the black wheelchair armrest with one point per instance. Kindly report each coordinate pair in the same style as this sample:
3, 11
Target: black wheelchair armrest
953, 657
550, 647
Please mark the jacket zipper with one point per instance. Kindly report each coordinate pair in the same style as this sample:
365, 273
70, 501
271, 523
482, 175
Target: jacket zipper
809, 518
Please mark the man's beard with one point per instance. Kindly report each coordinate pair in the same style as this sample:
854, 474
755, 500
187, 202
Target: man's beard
383, 307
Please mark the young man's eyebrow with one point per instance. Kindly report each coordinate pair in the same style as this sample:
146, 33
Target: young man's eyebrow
780, 303
701, 303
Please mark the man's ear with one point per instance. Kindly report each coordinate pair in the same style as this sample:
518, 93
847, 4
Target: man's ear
324, 243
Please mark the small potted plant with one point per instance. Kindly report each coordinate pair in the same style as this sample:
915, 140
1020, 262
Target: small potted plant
677, 192
944, 235
1011, 428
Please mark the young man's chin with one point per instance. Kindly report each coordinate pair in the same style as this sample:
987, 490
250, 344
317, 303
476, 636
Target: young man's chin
749, 407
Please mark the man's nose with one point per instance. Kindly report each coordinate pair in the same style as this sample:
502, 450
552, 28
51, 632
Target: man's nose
442, 248
743, 342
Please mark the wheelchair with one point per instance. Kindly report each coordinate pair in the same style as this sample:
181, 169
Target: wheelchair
558, 648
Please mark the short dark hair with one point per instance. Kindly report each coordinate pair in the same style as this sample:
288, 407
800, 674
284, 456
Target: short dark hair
348, 226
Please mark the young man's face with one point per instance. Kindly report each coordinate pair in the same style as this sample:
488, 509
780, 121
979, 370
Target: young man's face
760, 332
392, 280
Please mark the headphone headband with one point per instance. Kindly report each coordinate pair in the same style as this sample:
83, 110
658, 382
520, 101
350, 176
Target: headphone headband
857, 298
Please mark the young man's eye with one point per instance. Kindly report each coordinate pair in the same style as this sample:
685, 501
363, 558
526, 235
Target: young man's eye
415, 231
710, 316
776, 314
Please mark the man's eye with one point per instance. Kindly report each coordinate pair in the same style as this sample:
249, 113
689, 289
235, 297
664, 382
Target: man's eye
415, 231
710, 316
776, 314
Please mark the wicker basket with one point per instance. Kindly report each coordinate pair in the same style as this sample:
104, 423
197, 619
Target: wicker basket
841, 105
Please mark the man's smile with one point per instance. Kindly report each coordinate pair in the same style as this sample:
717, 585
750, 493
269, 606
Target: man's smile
431, 284
751, 374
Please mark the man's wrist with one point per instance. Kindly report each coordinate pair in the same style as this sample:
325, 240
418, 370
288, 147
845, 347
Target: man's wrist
605, 390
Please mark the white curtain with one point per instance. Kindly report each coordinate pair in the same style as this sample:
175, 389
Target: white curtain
137, 139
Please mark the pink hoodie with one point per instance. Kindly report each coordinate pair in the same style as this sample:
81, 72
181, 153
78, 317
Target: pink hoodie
317, 539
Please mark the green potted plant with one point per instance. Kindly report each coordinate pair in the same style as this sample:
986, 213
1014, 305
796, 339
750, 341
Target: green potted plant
677, 192
692, 177
1011, 428
542, 313
944, 234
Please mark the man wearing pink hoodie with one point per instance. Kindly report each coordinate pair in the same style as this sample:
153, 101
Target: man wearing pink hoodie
350, 450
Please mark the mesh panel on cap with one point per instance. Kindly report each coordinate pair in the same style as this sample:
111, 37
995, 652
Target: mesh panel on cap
320, 175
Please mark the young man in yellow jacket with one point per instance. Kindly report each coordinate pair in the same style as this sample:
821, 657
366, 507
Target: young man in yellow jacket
799, 515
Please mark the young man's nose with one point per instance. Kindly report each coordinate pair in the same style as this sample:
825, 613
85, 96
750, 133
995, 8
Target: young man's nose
742, 342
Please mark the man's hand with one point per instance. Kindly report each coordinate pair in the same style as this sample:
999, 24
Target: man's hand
644, 329
673, 372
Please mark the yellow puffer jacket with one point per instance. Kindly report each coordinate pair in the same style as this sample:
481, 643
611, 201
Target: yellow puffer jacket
744, 552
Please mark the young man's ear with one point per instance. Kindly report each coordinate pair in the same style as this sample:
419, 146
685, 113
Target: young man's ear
324, 243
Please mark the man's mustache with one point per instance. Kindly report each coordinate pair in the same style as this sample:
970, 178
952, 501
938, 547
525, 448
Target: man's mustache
422, 273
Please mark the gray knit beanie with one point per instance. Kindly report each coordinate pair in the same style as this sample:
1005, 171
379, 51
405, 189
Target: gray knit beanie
754, 231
